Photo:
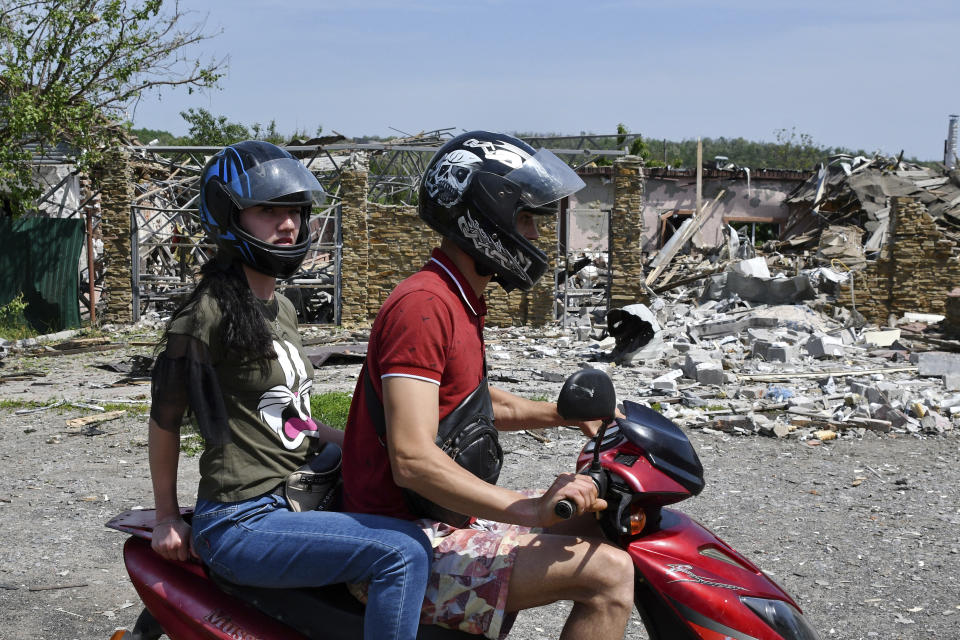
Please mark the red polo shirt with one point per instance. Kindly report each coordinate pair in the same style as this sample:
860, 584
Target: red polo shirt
430, 328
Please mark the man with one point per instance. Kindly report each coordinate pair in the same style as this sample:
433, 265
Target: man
426, 370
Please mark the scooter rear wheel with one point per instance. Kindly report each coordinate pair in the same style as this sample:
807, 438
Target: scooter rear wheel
147, 627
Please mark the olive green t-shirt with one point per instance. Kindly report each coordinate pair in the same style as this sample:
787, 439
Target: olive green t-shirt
270, 427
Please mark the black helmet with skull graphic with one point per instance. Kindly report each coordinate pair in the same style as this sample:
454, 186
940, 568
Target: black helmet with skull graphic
475, 186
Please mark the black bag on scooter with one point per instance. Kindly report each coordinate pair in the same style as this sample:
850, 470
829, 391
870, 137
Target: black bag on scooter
467, 435
315, 485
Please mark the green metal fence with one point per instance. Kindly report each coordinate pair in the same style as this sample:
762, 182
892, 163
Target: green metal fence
39, 257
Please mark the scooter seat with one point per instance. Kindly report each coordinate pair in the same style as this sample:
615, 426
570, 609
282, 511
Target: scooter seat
322, 613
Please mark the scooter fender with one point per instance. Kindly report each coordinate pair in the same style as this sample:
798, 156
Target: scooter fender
687, 571
189, 606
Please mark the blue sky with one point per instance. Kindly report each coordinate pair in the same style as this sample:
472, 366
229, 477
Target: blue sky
878, 75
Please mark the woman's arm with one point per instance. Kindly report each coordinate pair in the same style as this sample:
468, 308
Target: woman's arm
327, 433
171, 535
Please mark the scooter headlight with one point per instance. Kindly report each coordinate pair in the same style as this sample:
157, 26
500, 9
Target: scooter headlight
782, 618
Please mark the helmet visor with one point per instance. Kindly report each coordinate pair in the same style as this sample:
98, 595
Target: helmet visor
276, 180
544, 178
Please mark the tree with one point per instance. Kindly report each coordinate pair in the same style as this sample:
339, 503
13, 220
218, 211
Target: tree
69, 69
207, 129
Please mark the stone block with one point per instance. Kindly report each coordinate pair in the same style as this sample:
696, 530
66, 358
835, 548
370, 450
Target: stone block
933, 422
773, 351
881, 338
665, 384
710, 373
951, 381
752, 393
825, 346
895, 417
692, 360
734, 423
938, 363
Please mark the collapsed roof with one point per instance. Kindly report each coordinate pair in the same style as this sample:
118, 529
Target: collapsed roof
856, 190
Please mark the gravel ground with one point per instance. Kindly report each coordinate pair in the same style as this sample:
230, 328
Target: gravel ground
861, 531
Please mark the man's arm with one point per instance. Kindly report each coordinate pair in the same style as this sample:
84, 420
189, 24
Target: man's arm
512, 412
411, 408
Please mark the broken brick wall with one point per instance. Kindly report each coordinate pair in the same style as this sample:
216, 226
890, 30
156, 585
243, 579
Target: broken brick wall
383, 244
534, 307
399, 243
915, 272
115, 178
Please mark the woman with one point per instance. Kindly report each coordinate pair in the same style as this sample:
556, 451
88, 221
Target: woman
234, 357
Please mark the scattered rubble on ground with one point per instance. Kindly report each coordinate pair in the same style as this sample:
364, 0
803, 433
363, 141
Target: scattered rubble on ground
756, 346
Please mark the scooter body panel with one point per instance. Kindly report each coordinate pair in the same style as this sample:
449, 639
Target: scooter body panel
189, 606
681, 561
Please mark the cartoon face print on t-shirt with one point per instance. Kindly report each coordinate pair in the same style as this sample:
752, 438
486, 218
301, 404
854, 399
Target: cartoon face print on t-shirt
286, 408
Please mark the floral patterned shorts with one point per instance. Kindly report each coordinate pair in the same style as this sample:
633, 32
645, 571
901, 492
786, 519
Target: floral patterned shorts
470, 576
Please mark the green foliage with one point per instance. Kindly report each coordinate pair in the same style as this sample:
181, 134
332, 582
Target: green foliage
638, 147
792, 150
331, 408
70, 68
191, 442
207, 129
163, 138
13, 323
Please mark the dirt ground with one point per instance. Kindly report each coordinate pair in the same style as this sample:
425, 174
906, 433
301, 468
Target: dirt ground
863, 532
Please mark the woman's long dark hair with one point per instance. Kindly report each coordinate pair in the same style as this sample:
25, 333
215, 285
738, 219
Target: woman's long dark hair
243, 328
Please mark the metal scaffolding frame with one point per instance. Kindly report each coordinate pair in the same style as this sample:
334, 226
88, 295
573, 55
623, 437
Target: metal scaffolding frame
574, 293
168, 243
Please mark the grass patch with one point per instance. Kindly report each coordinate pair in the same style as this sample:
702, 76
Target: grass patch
139, 409
22, 404
13, 324
191, 442
656, 406
331, 408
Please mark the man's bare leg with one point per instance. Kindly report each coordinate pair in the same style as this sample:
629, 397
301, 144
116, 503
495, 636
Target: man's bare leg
595, 575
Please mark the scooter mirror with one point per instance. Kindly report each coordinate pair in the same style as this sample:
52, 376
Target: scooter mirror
587, 394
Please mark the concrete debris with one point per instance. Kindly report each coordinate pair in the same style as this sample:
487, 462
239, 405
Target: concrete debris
937, 363
633, 327
755, 267
754, 289
881, 338
741, 352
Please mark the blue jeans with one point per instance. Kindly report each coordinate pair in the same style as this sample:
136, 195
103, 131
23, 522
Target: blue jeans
260, 542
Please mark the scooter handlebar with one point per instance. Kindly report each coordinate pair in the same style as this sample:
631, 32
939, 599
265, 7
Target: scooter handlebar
565, 508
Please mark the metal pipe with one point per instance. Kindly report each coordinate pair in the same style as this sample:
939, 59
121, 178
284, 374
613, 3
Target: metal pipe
90, 268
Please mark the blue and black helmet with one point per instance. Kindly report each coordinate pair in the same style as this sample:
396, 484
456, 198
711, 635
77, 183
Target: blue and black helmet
252, 173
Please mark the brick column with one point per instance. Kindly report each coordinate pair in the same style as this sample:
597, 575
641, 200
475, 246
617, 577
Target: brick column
627, 227
116, 195
354, 265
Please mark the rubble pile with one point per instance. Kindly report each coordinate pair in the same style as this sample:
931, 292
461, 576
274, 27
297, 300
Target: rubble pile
857, 191
746, 354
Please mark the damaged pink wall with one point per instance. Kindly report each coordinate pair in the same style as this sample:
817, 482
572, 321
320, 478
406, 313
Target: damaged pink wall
668, 190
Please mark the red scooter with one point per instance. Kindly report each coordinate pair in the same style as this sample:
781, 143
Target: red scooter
186, 602
689, 584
